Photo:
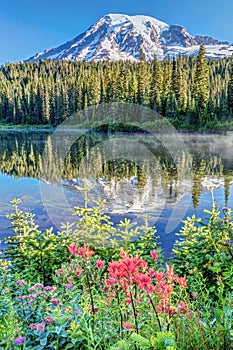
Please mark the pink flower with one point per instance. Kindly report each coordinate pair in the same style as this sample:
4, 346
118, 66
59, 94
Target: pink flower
159, 276
182, 307
144, 282
78, 272
40, 327
114, 270
55, 301
78, 312
182, 281
49, 288
20, 283
99, 264
49, 319
33, 326
20, 340
73, 248
128, 326
86, 252
152, 272
154, 255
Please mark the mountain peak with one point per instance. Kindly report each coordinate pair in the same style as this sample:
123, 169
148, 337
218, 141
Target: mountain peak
120, 37
137, 20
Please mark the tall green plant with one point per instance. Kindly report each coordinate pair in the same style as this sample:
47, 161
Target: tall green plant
32, 251
207, 248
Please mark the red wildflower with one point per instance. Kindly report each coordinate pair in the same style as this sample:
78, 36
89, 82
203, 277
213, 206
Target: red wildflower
152, 272
159, 276
110, 281
144, 282
124, 254
182, 281
169, 273
73, 248
154, 255
115, 270
131, 266
106, 288
125, 271
78, 272
99, 264
164, 289
182, 307
85, 252
128, 326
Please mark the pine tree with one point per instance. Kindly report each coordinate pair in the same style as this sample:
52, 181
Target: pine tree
156, 86
171, 106
201, 84
230, 90
141, 78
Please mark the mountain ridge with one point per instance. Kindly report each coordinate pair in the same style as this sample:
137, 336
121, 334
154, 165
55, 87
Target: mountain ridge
120, 37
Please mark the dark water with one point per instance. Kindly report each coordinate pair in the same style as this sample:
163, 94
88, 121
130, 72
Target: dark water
168, 177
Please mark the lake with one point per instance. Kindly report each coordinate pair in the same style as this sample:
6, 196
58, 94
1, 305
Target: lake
167, 177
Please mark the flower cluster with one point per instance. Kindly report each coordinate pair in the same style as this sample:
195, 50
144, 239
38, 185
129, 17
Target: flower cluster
161, 291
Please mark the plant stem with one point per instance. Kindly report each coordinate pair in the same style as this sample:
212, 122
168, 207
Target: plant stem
134, 311
156, 313
121, 317
91, 298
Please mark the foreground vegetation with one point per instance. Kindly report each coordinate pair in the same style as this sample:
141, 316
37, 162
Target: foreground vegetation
193, 92
98, 286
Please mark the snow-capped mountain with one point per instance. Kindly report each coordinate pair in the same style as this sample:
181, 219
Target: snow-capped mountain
120, 37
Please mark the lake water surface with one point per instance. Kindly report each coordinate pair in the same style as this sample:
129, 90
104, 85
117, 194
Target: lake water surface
168, 177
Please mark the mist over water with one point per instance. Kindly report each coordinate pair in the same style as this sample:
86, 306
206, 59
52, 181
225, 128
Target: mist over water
165, 187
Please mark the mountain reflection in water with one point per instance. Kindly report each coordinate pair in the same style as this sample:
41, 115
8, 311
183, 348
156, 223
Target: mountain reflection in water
149, 179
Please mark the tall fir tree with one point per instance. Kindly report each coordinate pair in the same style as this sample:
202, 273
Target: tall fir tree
230, 90
201, 85
156, 86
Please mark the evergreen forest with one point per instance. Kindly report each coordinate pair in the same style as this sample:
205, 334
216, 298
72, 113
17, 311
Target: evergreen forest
192, 92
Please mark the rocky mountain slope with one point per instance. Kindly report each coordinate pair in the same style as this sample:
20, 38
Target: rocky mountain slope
120, 37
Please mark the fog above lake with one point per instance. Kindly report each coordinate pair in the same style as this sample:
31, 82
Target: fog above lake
165, 176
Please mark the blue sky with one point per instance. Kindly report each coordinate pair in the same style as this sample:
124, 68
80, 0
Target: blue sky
29, 26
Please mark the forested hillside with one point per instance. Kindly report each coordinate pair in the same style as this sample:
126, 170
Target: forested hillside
192, 91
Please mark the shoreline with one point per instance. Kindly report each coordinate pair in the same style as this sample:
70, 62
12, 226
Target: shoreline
50, 128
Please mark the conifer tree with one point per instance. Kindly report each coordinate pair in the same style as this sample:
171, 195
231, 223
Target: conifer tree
171, 106
230, 90
156, 86
201, 84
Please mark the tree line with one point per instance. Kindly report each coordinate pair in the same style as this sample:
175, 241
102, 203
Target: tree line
193, 91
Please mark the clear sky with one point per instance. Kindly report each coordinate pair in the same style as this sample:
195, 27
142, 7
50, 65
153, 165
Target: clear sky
29, 26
